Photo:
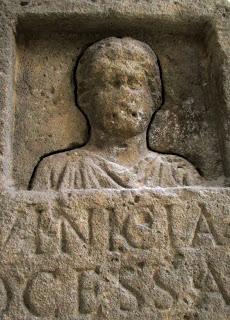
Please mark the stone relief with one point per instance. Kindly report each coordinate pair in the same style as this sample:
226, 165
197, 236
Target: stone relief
138, 255
119, 90
123, 250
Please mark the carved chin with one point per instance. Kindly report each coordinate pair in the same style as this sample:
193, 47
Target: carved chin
125, 129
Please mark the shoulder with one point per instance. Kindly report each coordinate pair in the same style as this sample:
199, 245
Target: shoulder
183, 170
43, 171
53, 159
170, 160
49, 163
62, 158
176, 161
49, 170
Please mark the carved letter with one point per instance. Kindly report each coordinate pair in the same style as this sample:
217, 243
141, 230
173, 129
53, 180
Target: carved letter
205, 233
40, 295
88, 302
208, 279
138, 230
4, 296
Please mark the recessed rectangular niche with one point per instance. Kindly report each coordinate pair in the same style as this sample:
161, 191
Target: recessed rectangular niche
48, 120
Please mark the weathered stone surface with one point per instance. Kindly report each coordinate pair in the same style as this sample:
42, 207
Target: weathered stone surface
118, 89
189, 93
126, 255
114, 250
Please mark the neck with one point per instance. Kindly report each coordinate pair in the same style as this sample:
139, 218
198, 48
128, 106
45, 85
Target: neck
118, 149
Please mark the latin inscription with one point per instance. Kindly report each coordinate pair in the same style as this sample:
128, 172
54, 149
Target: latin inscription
126, 259
145, 228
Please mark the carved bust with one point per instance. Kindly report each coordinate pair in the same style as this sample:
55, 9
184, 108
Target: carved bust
119, 90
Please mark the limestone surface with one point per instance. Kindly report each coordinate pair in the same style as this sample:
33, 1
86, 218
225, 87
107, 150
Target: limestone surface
114, 160
117, 255
118, 89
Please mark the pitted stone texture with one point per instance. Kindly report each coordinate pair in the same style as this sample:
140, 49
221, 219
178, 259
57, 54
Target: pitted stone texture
61, 125
127, 255
119, 88
150, 254
192, 108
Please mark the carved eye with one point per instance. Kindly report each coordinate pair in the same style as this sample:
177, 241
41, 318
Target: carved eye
117, 83
133, 83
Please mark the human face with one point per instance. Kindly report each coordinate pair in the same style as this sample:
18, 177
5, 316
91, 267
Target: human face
120, 99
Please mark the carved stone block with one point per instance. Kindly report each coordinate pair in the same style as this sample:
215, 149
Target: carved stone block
120, 255
114, 160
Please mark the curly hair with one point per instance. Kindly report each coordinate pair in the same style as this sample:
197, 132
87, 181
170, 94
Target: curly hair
127, 49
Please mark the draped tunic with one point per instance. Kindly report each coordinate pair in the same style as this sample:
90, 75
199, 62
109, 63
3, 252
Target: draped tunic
82, 169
